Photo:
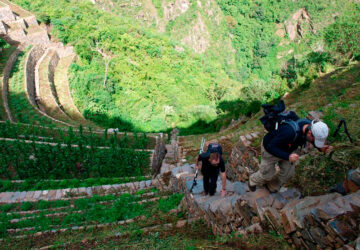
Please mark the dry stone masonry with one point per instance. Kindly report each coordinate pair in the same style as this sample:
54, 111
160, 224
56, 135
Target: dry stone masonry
70, 193
325, 221
243, 160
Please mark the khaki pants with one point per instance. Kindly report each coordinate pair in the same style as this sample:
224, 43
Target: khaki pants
267, 173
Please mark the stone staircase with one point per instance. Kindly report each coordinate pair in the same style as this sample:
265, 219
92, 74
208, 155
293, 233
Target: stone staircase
325, 221
18, 26
328, 221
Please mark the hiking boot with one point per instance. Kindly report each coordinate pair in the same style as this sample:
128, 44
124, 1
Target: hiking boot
251, 188
271, 191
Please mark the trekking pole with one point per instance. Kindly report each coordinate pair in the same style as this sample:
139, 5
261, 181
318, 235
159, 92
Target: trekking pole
342, 121
197, 170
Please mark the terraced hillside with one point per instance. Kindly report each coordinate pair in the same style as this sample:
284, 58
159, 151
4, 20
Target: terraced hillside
68, 187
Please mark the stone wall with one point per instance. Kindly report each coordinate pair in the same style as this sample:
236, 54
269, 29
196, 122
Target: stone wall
35, 54
52, 66
314, 222
5, 84
159, 154
6, 14
243, 159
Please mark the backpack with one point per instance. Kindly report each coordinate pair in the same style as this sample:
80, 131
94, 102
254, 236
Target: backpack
275, 115
214, 148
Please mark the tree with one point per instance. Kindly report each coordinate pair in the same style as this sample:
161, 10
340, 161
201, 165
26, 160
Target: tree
344, 35
107, 58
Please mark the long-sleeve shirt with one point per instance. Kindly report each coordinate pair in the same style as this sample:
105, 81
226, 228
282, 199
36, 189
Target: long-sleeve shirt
280, 142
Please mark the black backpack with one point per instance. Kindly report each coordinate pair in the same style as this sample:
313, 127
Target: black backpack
275, 115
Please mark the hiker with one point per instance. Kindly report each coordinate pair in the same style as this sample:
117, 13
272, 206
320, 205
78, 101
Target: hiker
278, 147
350, 185
211, 164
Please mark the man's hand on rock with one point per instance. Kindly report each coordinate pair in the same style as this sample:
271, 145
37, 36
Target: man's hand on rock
293, 157
327, 149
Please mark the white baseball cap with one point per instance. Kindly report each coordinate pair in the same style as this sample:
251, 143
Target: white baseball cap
320, 132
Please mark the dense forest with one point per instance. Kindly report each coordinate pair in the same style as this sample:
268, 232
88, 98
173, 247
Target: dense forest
156, 81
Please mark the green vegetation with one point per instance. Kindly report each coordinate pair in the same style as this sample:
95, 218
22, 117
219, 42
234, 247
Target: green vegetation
21, 160
29, 185
20, 108
95, 210
150, 85
135, 140
3, 44
344, 35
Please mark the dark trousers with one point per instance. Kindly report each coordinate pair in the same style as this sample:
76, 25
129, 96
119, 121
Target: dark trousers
210, 183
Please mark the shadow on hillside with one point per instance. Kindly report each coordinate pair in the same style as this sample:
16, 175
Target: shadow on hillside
227, 110
109, 122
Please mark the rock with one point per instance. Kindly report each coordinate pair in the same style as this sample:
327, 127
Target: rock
142, 185
148, 183
276, 200
315, 115
343, 229
309, 203
198, 189
183, 169
340, 206
251, 197
319, 237
354, 176
240, 187
181, 223
288, 216
248, 137
273, 217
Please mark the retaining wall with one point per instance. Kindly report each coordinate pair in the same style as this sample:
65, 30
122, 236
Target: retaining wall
30, 84
5, 84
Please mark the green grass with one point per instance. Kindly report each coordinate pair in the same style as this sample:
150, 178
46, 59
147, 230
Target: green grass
20, 107
86, 137
92, 212
21, 160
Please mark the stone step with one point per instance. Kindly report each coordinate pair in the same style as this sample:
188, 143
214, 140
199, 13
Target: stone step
60, 194
6, 14
294, 213
17, 10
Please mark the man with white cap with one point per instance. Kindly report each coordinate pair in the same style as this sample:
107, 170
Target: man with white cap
278, 148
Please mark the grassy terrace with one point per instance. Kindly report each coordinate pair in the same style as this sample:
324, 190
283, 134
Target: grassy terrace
4, 56
19, 105
87, 211
47, 100
70, 136
63, 91
21, 160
